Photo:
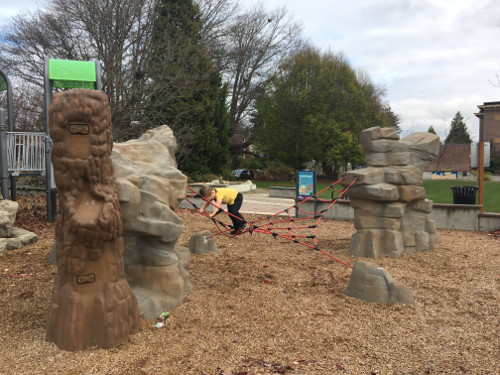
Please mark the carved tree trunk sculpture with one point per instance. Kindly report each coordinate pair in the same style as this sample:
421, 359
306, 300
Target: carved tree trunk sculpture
92, 303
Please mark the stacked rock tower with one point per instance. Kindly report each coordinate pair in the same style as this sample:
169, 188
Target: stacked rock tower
391, 212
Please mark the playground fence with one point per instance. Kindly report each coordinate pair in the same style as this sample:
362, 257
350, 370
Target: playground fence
25, 152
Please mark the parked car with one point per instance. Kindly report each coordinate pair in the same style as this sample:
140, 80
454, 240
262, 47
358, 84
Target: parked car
243, 174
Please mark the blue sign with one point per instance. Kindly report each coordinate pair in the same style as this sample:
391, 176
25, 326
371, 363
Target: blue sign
306, 183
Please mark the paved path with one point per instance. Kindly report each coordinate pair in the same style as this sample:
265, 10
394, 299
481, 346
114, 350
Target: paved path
254, 201
259, 202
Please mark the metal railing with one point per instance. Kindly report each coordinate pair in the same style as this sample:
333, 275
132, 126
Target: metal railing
25, 152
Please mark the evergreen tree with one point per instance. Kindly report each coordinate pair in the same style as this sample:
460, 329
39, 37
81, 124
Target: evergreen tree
186, 90
459, 134
494, 158
431, 130
393, 119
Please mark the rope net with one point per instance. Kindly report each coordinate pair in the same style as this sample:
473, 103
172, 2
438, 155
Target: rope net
302, 230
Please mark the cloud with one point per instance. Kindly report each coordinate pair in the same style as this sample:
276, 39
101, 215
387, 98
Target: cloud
434, 58
15, 7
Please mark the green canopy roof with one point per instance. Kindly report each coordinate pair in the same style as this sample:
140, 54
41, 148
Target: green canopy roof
71, 74
3, 84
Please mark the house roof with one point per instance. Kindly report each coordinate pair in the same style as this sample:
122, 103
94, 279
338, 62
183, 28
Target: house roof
451, 158
486, 106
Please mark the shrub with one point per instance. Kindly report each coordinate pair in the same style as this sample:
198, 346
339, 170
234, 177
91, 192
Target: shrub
279, 172
486, 177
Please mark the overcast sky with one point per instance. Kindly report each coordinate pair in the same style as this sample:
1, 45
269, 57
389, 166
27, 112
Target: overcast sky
434, 57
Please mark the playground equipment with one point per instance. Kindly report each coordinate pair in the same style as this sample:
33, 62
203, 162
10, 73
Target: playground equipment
368, 281
92, 303
390, 207
63, 74
30, 152
282, 224
5, 86
20, 152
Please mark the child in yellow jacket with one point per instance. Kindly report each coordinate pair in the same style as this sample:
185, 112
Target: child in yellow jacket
231, 198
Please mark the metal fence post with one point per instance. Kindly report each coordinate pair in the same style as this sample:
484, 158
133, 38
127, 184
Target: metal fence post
3, 157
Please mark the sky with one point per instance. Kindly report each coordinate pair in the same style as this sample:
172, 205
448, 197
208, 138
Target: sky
433, 58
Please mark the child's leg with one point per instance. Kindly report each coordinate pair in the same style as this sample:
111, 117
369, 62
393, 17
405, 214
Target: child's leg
233, 209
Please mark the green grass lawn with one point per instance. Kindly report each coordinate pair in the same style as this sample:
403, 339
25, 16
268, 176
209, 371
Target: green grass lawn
439, 191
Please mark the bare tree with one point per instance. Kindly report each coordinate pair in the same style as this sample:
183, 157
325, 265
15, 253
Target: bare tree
115, 32
216, 18
119, 32
257, 42
27, 103
32, 36
245, 46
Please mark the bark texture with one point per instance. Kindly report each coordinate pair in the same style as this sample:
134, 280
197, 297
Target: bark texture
92, 303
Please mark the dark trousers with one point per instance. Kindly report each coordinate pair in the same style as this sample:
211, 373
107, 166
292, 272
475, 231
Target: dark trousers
234, 209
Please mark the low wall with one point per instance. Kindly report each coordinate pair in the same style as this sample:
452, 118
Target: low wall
240, 186
282, 192
446, 216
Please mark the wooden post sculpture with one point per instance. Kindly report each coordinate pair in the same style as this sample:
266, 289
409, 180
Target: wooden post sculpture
92, 303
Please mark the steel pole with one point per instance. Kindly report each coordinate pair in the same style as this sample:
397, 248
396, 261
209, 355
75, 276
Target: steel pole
3, 157
480, 175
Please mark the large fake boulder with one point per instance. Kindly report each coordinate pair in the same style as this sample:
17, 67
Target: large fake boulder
11, 237
391, 212
150, 188
374, 284
92, 303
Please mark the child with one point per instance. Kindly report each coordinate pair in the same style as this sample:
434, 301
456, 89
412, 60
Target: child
228, 196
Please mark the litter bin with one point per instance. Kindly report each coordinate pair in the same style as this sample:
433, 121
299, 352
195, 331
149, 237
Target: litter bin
464, 194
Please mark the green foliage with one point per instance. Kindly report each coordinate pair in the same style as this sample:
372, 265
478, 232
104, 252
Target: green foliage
188, 94
439, 191
255, 164
276, 171
459, 134
486, 175
494, 158
393, 119
431, 130
315, 110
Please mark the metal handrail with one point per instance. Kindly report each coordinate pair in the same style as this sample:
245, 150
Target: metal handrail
25, 152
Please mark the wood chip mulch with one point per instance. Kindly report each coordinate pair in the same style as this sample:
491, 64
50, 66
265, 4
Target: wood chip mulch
262, 305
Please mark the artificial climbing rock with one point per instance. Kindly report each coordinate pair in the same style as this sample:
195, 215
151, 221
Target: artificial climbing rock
92, 303
150, 188
391, 212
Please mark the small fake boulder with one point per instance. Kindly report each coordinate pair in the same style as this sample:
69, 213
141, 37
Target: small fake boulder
10, 237
374, 284
201, 242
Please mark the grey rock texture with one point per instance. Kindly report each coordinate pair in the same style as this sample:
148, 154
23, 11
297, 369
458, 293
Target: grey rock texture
10, 237
374, 284
150, 188
391, 212
200, 244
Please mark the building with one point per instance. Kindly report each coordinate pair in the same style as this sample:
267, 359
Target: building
489, 123
452, 158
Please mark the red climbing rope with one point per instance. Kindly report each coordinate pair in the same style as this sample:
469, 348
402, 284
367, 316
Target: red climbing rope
289, 225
